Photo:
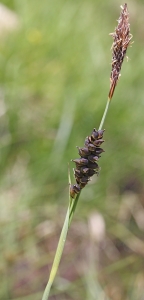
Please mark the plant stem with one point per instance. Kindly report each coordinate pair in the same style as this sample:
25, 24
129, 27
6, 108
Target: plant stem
57, 258
73, 208
67, 222
104, 114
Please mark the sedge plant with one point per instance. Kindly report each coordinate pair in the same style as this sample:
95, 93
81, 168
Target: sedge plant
87, 163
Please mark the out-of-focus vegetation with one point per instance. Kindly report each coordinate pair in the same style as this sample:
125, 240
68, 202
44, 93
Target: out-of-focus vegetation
54, 82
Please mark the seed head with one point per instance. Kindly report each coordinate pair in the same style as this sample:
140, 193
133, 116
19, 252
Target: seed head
122, 38
86, 165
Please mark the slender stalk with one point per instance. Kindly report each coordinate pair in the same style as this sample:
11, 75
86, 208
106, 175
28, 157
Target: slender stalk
60, 246
104, 114
57, 258
70, 212
73, 208
122, 38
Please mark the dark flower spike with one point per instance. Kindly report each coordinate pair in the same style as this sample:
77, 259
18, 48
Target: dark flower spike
86, 165
122, 38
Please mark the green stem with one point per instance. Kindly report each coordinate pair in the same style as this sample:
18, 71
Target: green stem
57, 258
104, 114
67, 222
73, 208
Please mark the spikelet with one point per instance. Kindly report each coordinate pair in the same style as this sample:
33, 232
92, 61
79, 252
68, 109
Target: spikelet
122, 38
86, 165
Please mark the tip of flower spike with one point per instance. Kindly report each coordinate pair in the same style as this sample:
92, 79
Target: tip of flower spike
123, 7
121, 41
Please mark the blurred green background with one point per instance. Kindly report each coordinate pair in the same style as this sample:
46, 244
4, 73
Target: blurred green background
55, 64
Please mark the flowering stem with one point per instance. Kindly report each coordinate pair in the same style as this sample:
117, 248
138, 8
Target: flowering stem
104, 114
73, 208
60, 247
57, 258
122, 38
70, 212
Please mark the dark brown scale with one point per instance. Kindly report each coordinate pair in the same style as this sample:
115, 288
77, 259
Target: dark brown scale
91, 147
94, 134
87, 141
91, 172
98, 143
80, 161
84, 180
93, 165
78, 167
82, 185
77, 180
100, 133
74, 189
90, 139
84, 152
98, 151
84, 170
93, 158
78, 173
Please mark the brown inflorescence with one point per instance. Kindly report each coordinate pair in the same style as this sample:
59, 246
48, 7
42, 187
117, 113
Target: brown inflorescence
122, 38
87, 164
